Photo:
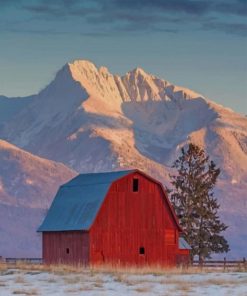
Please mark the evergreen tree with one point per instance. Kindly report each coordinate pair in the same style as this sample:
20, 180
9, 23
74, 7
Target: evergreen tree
195, 204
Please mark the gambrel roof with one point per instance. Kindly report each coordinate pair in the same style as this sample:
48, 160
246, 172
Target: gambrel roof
77, 202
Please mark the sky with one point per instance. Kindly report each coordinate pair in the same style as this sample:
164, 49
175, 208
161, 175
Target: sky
198, 44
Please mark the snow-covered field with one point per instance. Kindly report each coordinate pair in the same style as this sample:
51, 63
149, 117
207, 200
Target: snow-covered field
39, 282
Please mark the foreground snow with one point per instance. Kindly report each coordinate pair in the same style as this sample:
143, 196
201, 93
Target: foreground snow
26, 282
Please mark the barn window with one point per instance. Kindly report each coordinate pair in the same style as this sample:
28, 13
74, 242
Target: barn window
142, 251
135, 185
67, 250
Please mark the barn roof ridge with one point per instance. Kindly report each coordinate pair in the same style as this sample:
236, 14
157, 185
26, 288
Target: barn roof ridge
114, 174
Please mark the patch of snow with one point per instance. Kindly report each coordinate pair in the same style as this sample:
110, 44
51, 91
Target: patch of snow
95, 283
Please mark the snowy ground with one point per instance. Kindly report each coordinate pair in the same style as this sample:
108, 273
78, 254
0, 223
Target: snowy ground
35, 282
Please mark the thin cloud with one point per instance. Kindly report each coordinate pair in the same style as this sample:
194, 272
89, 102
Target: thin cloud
189, 7
142, 15
228, 28
237, 7
176, 6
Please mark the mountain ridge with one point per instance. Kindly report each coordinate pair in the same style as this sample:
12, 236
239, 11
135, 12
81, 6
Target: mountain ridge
92, 121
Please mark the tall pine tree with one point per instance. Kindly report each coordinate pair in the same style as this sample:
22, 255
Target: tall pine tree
194, 202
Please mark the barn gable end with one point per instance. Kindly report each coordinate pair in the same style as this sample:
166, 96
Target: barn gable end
135, 227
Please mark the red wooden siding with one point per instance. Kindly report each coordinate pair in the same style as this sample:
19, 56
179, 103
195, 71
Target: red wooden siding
170, 236
128, 221
131, 228
67, 247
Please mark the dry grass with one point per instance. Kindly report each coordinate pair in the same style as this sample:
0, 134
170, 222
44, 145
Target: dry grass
143, 290
119, 277
65, 269
71, 290
62, 269
29, 292
124, 279
3, 266
84, 289
33, 272
72, 280
184, 287
155, 270
35, 268
51, 280
159, 270
20, 280
179, 286
222, 282
172, 281
133, 282
79, 289
98, 283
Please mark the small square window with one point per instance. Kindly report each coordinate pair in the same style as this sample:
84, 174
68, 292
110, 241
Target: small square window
67, 250
135, 185
142, 251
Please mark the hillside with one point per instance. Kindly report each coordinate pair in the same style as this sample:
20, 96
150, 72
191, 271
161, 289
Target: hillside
27, 186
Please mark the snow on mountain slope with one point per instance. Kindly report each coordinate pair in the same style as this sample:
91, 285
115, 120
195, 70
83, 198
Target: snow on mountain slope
83, 99
27, 186
92, 120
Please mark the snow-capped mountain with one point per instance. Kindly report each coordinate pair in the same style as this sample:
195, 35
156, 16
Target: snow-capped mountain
92, 120
27, 186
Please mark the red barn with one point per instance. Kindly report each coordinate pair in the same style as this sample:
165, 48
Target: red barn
114, 218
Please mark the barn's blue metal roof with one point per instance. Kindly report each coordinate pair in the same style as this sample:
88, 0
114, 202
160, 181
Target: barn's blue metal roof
183, 244
77, 202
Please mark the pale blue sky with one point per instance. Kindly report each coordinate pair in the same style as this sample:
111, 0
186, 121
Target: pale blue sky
197, 44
